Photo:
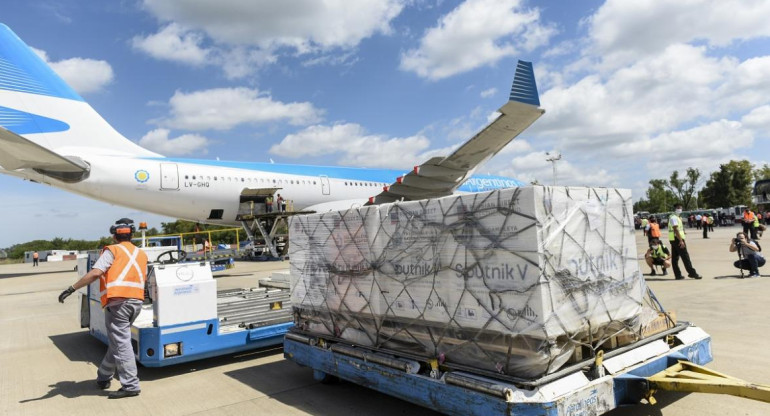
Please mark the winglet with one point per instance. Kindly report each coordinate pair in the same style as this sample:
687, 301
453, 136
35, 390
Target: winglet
524, 89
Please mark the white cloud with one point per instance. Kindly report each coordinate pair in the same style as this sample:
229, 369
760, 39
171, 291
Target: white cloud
174, 44
475, 34
625, 31
225, 108
758, 118
533, 166
254, 32
488, 93
187, 144
653, 95
700, 147
357, 147
82, 74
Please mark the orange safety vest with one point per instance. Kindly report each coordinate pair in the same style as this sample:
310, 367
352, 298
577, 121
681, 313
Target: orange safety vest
748, 216
654, 229
125, 278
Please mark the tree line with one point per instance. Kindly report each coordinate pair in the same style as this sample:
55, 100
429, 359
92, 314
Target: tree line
729, 186
177, 227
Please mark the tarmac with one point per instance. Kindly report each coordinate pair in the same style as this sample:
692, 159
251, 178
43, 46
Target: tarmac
48, 363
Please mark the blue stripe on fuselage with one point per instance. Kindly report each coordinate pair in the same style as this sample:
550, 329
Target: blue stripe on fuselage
475, 183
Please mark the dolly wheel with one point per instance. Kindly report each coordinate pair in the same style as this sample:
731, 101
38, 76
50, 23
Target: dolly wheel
325, 378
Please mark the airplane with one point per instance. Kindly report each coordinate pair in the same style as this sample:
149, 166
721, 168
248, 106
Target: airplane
49, 134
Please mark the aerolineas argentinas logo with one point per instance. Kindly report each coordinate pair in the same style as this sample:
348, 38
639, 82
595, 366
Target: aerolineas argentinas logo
142, 176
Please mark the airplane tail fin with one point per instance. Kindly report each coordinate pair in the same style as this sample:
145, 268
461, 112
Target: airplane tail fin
43, 116
524, 88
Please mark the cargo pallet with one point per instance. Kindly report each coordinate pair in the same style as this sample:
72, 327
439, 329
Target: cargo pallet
624, 376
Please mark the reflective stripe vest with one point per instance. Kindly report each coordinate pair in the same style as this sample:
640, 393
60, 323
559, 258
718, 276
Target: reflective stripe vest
644, 223
756, 222
654, 230
748, 216
658, 253
125, 278
671, 236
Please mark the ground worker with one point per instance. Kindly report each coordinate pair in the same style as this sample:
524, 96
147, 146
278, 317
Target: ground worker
657, 255
35, 259
678, 246
644, 225
755, 228
654, 230
122, 271
748, 223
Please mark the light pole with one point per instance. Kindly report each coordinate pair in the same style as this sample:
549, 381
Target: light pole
553, 159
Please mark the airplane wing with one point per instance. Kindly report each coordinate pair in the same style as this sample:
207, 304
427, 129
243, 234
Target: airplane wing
16, 152
441, 176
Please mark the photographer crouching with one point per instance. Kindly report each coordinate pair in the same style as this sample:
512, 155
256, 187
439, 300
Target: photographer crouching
749, 256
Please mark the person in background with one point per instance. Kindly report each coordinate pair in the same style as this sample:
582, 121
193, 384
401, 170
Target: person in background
35, 258
676, 236
279, 203
705, 225
755, 227
121, 271
645, 221
698, 219
653, 230
657, 255
748, 221
269, 203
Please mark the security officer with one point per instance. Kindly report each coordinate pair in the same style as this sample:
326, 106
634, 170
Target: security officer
678, 246
122, 271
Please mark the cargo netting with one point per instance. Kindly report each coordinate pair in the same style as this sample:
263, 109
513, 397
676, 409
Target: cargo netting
510, 281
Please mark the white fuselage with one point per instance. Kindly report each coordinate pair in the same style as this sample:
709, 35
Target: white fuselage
191, 191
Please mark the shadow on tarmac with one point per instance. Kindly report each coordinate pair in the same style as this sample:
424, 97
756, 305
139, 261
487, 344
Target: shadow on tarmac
34, 273
155, 373
80, 346
70, 390
283, 380
664, 398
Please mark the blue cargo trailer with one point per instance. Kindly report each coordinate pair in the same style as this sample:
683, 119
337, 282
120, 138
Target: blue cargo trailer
186, 318
671, 360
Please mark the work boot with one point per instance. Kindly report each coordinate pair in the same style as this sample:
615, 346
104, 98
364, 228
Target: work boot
665, 272
103, 385
120, 393
652, 273
695, 276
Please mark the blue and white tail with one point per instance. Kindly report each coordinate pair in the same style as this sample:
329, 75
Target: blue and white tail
36, 104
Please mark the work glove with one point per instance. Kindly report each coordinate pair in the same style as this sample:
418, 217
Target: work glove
70, 290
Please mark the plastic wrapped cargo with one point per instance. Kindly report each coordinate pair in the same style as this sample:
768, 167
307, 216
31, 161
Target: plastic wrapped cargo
509, 281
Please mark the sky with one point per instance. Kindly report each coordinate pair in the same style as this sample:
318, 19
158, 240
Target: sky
633, 90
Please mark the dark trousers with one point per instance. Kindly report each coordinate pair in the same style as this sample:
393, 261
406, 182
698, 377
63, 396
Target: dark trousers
705, 231
753, 232
747, 227
676, 253
752, 263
